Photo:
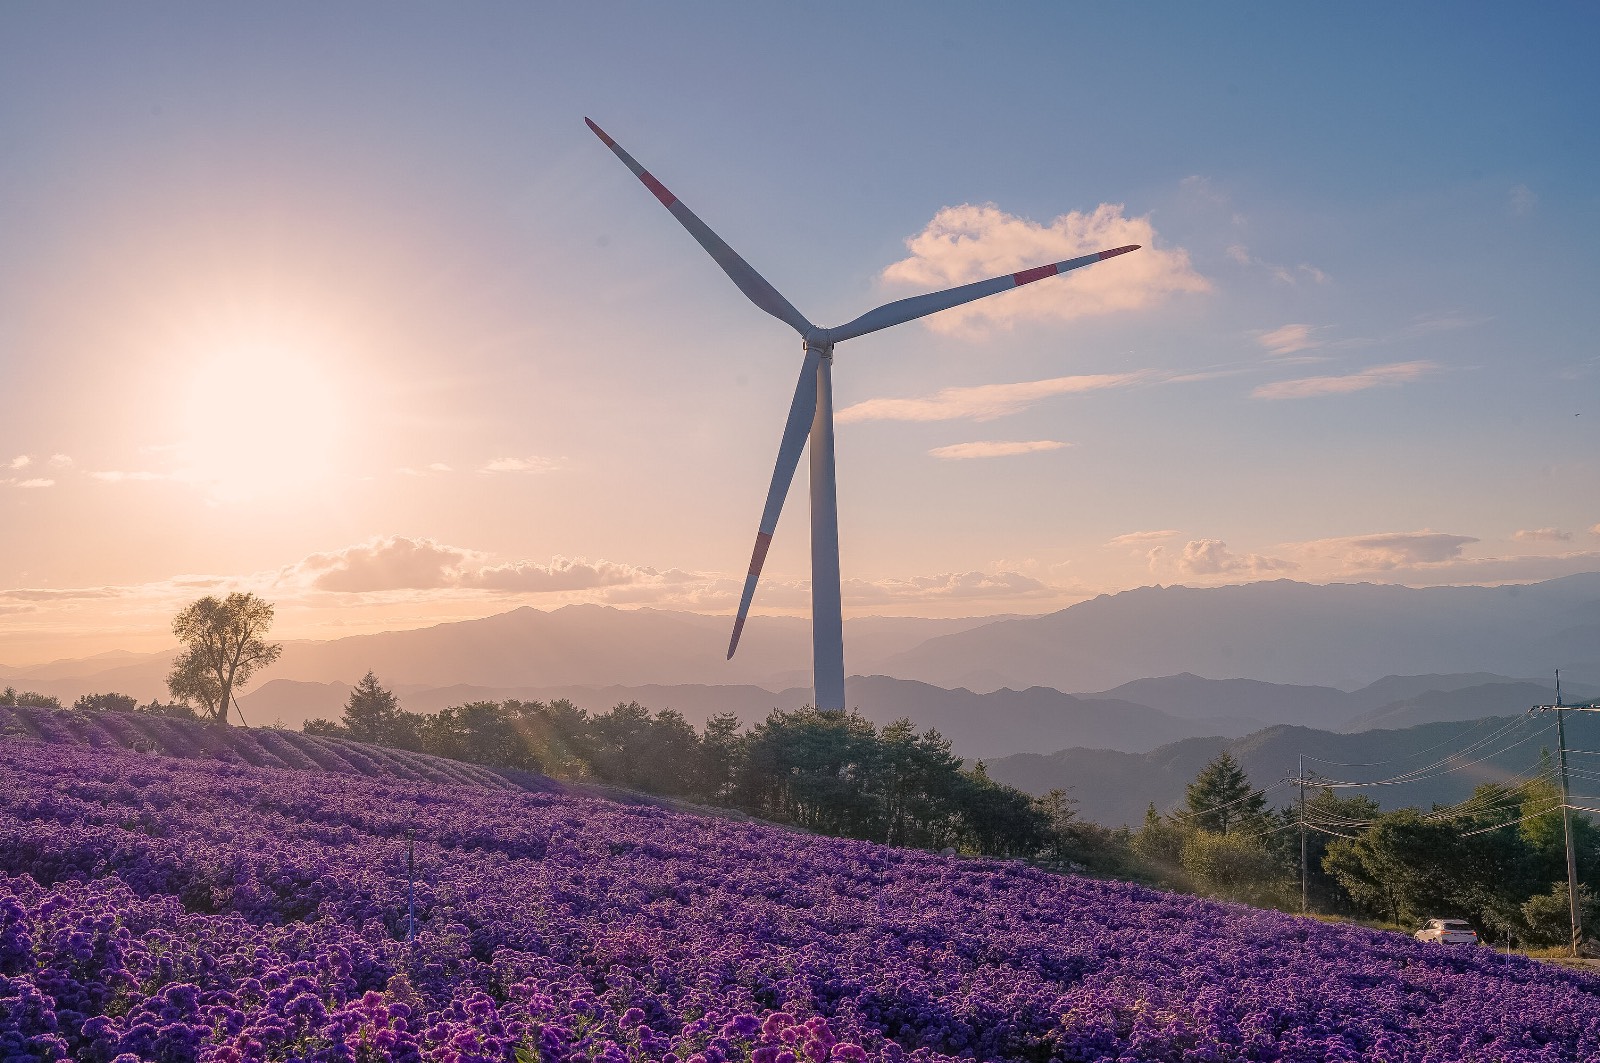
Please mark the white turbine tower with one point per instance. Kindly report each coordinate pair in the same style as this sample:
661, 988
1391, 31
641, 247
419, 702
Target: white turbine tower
811, 415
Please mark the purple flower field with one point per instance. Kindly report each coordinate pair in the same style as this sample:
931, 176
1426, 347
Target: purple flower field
166, 910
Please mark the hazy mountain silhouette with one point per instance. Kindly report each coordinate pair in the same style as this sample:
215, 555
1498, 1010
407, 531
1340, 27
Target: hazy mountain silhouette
1115, 788
1341, 635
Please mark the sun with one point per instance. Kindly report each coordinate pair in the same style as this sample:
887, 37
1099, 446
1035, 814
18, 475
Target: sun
261, 418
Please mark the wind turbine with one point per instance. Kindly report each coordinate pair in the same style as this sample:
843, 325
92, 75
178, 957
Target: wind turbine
811, 416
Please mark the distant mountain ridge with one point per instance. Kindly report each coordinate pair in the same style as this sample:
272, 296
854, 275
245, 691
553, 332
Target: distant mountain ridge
1339, 635
1115, 788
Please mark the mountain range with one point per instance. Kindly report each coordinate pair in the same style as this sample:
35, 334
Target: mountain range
1115, 788
1162, 664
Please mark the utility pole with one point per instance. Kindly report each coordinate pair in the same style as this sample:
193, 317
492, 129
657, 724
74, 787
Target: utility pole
1304, 905
411, 890
1566, 816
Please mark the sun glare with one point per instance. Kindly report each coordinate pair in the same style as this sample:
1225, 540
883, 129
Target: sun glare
260, 419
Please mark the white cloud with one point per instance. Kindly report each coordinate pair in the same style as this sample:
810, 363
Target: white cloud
60, 461
1388, 550
36, 483
532, 463
1375, 377
984, 402
1211, 557
995, 448
1543, 535
972, 242
1136, 538
1288, 339
21, 461
1523, 200
1594, 529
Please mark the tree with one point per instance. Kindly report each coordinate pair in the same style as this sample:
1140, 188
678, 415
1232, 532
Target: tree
29, 699
224, 645
372, 714
112, 702
1221, 798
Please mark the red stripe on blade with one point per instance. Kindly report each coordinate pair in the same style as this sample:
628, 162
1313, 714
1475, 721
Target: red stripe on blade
667, 198
759, 556
1037, 273
1115, 251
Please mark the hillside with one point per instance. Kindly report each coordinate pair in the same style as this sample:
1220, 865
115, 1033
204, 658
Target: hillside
260, 747
1115, 787
164, 909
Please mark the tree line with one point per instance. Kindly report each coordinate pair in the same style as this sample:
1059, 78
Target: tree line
833, 773
1497, 859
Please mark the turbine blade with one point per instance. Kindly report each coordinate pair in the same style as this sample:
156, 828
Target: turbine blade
801, 413
753, 284
922, 305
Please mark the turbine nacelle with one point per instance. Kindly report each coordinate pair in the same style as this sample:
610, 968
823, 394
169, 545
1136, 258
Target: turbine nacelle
811, 417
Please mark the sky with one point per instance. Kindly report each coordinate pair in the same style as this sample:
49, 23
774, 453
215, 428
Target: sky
344, 304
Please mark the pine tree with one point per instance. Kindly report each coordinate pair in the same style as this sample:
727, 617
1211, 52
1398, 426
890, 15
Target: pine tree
1221, 798
372, 712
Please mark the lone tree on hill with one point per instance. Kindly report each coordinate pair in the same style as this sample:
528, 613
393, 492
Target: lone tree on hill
225, 644
1221, 798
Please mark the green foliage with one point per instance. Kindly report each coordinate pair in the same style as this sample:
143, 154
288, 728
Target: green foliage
1233, 865
1547, 917
1221, 798
829, 772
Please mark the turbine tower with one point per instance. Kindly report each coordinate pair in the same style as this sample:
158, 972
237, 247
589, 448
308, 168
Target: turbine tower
811, 418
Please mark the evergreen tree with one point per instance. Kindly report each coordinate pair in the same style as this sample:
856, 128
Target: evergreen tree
372, 712
1221, 798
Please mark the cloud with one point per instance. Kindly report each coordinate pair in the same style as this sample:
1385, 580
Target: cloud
985, 402
44, 594
1211, 557
945, 586
1288, 339
995, 448
532, 463
397, 562
1543, 535
1375, 377
60, 461
1136, 538
1594, 529
393, 563
972, 242
565, 574
1523, 200
1388, 550
440, 467
35, 482
1283, 274
21, 461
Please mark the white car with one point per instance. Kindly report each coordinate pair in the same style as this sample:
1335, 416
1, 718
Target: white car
1448, 932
